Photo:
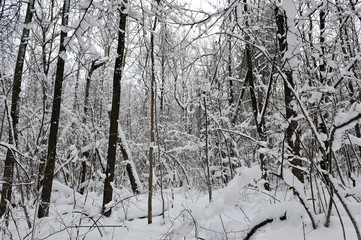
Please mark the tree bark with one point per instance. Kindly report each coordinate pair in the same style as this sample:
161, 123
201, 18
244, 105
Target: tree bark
229, 63
292, 129
113, 130
6, 191
209, 185
54, 122
152, 115
326, 158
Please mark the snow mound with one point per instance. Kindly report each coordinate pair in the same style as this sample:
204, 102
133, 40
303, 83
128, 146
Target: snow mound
291, 212
356, 191
138, 208
62, 194
228, 196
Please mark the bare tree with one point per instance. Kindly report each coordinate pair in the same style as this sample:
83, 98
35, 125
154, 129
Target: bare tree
114, 116
292, 131
54, 125
152, 117
18, 74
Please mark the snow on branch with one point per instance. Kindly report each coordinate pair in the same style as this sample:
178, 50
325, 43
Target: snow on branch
343, 122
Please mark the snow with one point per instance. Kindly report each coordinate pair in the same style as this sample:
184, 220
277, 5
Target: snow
109, 107
130, 158
8, 146
137, 208
354, 140
292, 41
344, 121
298, 233
233, 212
63, 55
293, 211
228, 196
84, 4
188, 147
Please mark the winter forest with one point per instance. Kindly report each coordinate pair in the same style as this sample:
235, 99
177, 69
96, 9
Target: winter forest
207, 119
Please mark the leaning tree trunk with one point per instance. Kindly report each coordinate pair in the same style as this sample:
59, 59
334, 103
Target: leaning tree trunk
127, 158
54, 122
113, 130
18, 73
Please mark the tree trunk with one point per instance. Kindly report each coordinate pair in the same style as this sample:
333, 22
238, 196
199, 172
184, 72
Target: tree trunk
229, 63
322, 77
209, 185
292, 129
162, 63
113, 130
54, 122
18, 73
152, 104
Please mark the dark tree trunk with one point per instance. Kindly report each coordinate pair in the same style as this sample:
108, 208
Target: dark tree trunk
113, 130
293, 144
94, 66
152, 105
292, 129
54, 122
42, 132
322, 77
150, 180
322, 43
18, 73
83, 173
209, 184
229, 64
162, 62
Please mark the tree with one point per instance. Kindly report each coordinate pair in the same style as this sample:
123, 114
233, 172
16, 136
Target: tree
14, 112
152, 117
51, 154
292, 135
114, 115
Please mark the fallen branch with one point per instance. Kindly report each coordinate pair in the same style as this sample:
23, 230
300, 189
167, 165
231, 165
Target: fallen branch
261, 224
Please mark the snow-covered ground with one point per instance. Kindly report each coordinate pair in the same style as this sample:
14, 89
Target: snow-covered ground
234, 211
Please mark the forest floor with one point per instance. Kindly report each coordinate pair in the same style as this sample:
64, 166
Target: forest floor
188, 215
